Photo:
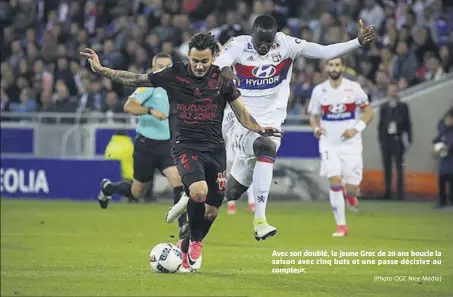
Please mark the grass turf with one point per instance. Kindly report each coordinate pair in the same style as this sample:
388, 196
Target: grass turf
64, 248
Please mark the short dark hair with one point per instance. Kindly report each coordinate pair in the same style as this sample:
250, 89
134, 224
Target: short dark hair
265, 22
449, 113
202, 41
342, 59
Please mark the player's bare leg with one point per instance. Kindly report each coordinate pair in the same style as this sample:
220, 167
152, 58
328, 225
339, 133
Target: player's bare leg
172, 175
265, 152
351, 192
338, 205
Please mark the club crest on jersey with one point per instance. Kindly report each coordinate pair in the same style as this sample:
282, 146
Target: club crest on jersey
264, 71
221, 180
276, 57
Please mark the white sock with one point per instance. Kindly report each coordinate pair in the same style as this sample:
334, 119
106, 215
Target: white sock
338, 205
232, 202
250, 197
262, 179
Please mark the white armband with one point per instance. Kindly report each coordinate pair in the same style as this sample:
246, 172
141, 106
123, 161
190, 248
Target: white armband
360, 126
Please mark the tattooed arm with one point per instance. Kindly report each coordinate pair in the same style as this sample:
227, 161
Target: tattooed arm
125, 77
122, 77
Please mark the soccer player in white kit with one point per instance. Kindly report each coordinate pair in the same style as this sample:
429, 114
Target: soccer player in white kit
335, 107
262, 65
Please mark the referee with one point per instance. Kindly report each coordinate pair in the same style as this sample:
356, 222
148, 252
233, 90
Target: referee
152, 145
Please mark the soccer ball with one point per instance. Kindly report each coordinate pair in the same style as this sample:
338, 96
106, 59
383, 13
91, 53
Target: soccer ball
165, 258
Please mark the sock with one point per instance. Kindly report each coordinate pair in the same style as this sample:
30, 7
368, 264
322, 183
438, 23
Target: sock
262, 179
338, 205
176, 196
122, 188
250, 197
231, 202
185, 245
205, 227
195, 211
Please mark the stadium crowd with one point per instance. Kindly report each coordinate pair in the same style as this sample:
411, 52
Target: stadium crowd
41, 69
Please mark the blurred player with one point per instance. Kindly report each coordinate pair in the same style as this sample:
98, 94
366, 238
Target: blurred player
199, 149
335, 120
263, 63
151, 147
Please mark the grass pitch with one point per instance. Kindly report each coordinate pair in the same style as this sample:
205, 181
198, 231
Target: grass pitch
64, 248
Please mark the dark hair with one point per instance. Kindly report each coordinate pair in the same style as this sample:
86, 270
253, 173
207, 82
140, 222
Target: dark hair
449, 113
202, 41
342, 59
265, 22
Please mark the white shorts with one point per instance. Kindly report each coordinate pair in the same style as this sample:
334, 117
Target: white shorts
241, 156
227, 124
348, 166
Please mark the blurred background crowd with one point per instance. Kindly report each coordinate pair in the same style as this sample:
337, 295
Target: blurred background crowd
41, 69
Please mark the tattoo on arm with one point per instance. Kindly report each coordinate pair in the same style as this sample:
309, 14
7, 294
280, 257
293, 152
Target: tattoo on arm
126, 78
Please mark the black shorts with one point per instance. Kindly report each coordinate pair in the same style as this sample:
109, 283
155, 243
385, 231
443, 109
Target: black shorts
194, 166
149, 155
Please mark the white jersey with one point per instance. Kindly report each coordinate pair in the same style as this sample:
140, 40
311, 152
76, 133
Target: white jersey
264, 80
339, 109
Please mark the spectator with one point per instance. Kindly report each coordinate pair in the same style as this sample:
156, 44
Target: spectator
422, 43
435, 70
380, 89
443, 148
16, 54
112, 106
372, 13
42, 79
395, 136
404, 64
231, 29
165, 31
129, 33
27, 102
446, 57
4, 101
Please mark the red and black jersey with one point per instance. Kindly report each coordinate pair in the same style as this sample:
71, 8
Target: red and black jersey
196, 105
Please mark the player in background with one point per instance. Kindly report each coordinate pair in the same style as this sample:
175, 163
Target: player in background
199, 149
262, 65
152, 145
335, 107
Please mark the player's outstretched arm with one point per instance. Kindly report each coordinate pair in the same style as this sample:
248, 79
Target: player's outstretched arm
327, 52
122, 77
249, 122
